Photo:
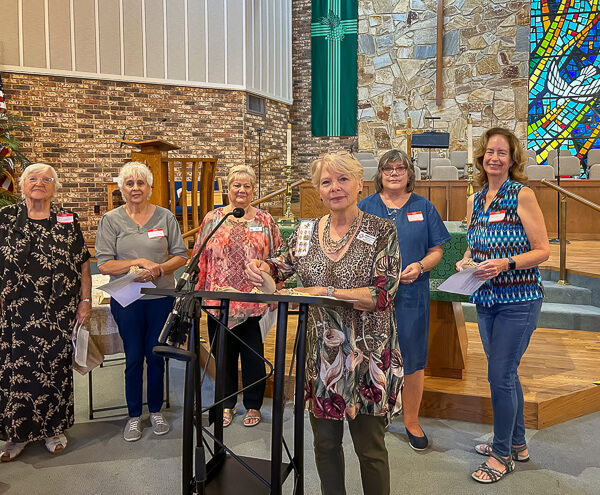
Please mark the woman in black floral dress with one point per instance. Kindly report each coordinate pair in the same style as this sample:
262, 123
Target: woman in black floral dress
45, 287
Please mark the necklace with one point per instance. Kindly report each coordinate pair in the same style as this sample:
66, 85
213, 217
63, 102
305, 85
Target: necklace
329, 245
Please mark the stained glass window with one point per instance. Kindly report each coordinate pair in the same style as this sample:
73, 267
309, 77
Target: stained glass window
564, 78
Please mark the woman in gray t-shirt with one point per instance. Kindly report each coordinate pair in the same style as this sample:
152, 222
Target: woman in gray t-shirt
143, 235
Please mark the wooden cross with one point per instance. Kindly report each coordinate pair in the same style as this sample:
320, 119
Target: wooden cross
409, 131
439, 52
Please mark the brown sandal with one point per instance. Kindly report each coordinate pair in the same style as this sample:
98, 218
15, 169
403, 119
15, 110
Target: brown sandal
228, 415
252, 417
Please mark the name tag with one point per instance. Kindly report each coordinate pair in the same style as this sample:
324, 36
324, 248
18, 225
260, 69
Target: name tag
305, 232
497, 216
256, 229
415, 216
64, 217
369, 239
155, 233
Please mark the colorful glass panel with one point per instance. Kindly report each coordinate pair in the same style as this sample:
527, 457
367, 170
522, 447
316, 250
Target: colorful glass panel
564, 78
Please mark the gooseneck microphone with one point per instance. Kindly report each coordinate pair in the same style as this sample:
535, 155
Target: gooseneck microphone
139, 125
192, 267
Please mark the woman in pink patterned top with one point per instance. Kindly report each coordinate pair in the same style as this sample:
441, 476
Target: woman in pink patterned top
222, 263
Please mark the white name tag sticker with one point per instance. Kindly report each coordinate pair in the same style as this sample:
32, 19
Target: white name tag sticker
415, 216
256, 228
155, 233
368, 238
64, 217
305, 232
497, 216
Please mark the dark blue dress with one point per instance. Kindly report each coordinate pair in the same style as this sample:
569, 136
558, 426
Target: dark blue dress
415, 238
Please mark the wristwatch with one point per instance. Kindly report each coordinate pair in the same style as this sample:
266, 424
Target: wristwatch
512, 265
330, 291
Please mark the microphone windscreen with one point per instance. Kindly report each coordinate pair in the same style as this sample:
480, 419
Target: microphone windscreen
238, 212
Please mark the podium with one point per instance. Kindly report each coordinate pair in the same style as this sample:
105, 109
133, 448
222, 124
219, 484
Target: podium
227, 473
154, 154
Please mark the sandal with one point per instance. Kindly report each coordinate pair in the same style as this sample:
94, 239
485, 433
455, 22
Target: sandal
252, 418
56, 444
228, 415
486, 448
493, 473
11, 451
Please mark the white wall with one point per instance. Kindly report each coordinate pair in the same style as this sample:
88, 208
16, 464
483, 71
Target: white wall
231, 44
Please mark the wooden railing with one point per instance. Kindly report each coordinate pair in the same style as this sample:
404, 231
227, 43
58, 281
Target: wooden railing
202, 188
562, 225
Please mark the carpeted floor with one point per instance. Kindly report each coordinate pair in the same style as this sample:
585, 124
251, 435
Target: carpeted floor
99, 462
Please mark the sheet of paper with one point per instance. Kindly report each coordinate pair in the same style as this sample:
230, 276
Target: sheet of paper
463, 282
125, 290
81, 346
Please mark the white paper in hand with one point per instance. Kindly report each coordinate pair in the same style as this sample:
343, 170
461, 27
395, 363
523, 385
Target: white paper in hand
124, 290
463, 282
81, 346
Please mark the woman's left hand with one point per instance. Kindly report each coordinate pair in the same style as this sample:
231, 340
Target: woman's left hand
490, 269
84, 312
410, 273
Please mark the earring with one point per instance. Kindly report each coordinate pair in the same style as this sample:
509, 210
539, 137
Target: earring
360, 192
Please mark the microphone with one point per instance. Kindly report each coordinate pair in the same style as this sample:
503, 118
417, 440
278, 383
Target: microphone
260, 129
139, 125
171, 322
192, 267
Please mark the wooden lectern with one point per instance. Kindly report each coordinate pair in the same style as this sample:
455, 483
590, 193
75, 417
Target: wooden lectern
154, 153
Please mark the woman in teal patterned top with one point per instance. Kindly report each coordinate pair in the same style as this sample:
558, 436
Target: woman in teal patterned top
507, 238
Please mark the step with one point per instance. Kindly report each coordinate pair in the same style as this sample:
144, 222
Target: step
554, 315
566, 294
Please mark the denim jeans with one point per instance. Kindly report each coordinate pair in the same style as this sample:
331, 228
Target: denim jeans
139, 325
505, 331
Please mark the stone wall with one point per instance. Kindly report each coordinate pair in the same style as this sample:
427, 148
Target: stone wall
485, 68
76, 124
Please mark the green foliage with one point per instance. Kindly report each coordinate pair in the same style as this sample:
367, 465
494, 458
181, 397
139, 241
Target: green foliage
14, 161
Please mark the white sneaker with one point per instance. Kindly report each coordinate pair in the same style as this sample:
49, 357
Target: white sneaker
159, 424
133, 430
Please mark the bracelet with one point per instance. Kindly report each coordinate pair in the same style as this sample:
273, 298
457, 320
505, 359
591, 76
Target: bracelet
422, 267
87, 299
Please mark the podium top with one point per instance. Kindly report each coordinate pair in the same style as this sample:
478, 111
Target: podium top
152, 145
330, 302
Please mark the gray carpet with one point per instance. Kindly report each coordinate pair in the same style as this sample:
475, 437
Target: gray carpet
98, 461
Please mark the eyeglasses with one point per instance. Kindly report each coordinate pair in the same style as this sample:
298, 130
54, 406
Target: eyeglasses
390, 170
35, 180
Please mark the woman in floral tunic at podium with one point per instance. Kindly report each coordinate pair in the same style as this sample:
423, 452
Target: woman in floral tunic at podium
353, 364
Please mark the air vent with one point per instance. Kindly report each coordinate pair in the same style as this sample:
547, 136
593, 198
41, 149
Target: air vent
256, 104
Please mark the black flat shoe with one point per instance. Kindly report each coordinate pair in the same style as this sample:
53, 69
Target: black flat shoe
417, 443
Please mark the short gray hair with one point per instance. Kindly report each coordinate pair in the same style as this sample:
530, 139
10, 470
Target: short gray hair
38, 168
135, 170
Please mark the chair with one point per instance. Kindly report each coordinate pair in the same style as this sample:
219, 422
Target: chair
370, 172
593, 158
370, 163
539, 172
594, 171
444, 172
364, 156
532, 154
569, 166
531, 161
440, 162
417, 173
423, 159
459, 159
552, 155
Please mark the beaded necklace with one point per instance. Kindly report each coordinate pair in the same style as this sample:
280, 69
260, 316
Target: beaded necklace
329, 245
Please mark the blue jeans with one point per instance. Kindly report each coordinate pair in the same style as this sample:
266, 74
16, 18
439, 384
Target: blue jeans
139, 325
505, 331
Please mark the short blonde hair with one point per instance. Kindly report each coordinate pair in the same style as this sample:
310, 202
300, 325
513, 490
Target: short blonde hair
241, 171
341, 161
38, 168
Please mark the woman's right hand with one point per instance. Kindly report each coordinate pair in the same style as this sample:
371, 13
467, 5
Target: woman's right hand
153, 268
254, 270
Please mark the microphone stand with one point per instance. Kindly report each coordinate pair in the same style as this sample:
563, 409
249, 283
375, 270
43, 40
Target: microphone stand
138, 125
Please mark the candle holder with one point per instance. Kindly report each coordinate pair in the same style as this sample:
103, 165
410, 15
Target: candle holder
469, 190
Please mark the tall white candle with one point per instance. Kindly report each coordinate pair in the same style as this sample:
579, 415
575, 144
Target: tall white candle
289, 145
470, 140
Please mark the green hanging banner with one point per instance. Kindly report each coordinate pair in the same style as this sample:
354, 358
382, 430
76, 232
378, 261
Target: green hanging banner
334, 65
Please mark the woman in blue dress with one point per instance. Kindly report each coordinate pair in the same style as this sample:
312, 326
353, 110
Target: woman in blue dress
421, 233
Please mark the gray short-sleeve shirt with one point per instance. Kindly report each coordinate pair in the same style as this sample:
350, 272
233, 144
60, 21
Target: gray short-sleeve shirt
120, 238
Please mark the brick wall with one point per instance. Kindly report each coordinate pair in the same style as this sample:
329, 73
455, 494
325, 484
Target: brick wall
76, 124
